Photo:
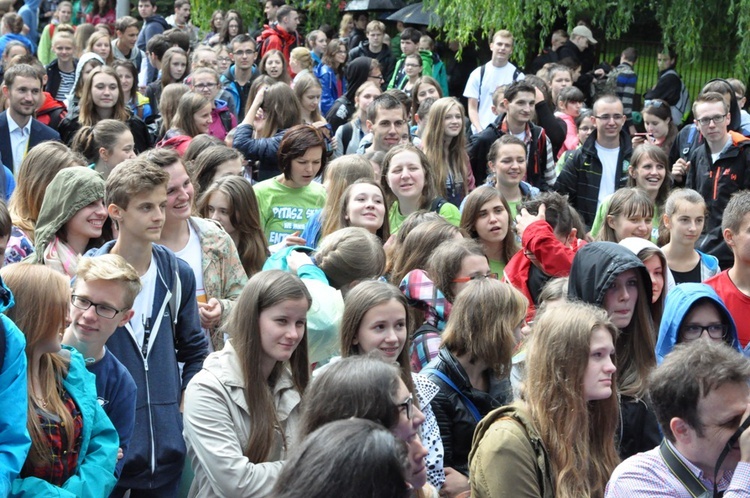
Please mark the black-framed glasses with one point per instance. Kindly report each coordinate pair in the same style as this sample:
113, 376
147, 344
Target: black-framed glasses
376, 77
716, 119
463, 280
608, 117
715, 331
102, 310
408, 406
204, 86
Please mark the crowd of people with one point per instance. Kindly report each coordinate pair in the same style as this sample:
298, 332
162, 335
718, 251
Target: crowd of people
360, 268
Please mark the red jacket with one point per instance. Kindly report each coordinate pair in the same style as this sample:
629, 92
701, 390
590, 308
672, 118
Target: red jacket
554, 258
51, 112
277, 38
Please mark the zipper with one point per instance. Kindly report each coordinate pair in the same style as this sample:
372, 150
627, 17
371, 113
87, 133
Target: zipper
716, 182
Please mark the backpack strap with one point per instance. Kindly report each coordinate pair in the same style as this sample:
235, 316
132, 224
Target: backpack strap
437, 204
174, 301
469, 405
481, 77
226, 120
346, 135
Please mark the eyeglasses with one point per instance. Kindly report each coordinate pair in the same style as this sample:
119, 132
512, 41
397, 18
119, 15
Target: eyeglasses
715, 331
204, 86
378, 77
609, 117
408, 406
102, 310
716, 119
463, 280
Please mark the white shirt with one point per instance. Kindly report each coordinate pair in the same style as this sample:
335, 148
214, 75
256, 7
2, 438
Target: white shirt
192, 254
144, 302
608, 157
493, 77
19, 141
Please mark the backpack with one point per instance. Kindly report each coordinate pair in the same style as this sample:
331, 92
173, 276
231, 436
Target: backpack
437, 203
226, 119
516, 74
346, 135
678, 110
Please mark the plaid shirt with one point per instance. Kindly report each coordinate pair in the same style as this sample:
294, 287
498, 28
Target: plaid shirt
645, 475
64, 462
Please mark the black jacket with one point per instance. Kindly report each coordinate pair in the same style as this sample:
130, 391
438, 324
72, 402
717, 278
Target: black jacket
717, 182
582, 174
595, 267
53, 77
343, 107
141, 134
453, 417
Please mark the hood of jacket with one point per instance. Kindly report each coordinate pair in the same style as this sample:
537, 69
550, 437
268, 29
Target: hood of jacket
85, 58
277, 30
678, 303
6, 297
220, 105
156, 18
72, 189
356, 73
596, 265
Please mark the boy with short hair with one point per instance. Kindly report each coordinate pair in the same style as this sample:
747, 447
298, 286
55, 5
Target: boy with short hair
102, 299
164, 329
374, 48
409, 46
733, 285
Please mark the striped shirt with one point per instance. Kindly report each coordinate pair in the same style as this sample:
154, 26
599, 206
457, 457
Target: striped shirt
645, 475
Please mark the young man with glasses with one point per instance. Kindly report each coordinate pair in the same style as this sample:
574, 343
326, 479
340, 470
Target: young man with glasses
238, 78
102, 299
205, 81
700, 395
716, 169
599, 167
733, 285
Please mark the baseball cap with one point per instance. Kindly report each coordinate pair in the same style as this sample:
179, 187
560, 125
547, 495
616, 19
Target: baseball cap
585, 32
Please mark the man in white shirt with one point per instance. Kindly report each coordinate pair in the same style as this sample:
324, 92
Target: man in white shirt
484, 79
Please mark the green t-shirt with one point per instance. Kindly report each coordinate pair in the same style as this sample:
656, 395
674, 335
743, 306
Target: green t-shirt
447, 211
285, 210
497, 267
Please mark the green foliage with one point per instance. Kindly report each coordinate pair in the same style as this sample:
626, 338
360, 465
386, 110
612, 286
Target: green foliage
202, 10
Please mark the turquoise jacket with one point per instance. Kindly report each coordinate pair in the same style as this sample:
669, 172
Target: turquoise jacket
14, 437
679, 301
95, 476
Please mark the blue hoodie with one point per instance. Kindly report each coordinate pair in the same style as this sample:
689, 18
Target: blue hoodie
679, 300
157, 449
30, 14
14, 437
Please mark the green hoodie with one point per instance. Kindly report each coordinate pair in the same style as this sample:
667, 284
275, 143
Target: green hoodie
72, 189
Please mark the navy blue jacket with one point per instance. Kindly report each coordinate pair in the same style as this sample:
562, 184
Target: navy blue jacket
158, 421
39, 133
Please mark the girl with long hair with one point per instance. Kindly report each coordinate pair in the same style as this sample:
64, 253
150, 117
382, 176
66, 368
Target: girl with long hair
139, 104
308, 90
71, 220
486, 218
611, 277
102, 98
101, 44
215, 25
367, 387
426, 87
206, 247
281, 111
350, 134
473, 365
244, 404
214, 163
375, 320
444, 144
410, 186
301, 63
660, 130
170, 99
506, 162
231, 27
339, 174
73, 443
274, 64
684, 217
331, 74
627, 214
87, 63
31, 186
530, 448
105, 145
231, 202
174, 65
193, 117
363, 205
412, 71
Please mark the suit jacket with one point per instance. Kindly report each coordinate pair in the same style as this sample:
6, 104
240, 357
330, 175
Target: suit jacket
39, 133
